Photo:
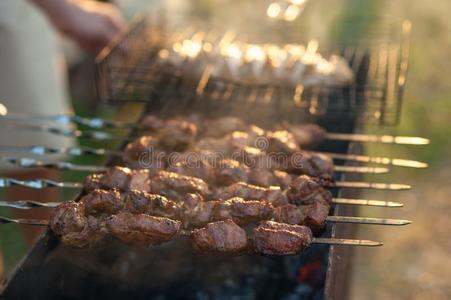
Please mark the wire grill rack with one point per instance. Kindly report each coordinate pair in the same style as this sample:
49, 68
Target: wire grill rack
129, 71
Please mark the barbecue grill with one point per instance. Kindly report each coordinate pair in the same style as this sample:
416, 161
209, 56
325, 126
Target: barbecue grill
128, 71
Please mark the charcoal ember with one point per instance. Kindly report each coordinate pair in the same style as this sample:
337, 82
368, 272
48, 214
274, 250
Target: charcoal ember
116, 177
69, 223
141, 202
272, 238
222, 126
281, 141
173, 184
248, 191
289, 214
100, 202
177, 135
222, 236
142, 229
229, 171
242, 211
307, 136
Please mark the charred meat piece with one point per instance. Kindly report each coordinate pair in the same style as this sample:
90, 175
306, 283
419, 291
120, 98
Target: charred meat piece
283, 179
243, 212
281, 141
222, 126
144, 153
273, 238
92, 182
151, 123
324, 167
171, 184
200, 215
140, 180
316, 215
221, 236
306, 190
263, 177
307, 136
195, 165
248, 191
177, 135
142, 229
229, 171
116, 177
218, 145
100, 202
69, 223
140, 202
289, 214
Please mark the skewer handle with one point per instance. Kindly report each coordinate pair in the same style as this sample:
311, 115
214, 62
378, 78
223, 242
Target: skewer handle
34, 222
348, 242
361, 170
371, 221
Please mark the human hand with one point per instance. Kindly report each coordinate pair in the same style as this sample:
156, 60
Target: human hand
90, 23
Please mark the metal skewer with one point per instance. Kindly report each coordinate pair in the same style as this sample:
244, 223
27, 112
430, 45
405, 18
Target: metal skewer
66, 166
44, 183
31, 204
384, 139
79, 151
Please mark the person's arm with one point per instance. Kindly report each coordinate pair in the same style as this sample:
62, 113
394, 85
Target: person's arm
91, 24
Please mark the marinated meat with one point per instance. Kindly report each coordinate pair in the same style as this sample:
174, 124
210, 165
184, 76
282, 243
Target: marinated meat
290, 214
222, 126
242, 211
92, 182
195, 165
307, 136
116, 177
144, 153
273, 238
100, 202
177, 135
305, 190
140, 202
283, 179
281, 141
248, 191
173, 184
151, 123
69, 223
218, 145
221, 236
229, 171
140, 180
316, 215
263, 177
142, 229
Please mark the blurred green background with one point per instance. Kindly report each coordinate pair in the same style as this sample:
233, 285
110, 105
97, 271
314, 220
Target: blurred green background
415, 261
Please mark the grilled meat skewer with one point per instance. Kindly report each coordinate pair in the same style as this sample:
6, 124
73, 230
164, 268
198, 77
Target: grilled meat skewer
270, 238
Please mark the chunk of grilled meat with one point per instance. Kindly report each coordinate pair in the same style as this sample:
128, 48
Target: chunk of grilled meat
151, 123
273, 194
221, 236
142, 229
273, 238
177, 135
222, 126
114, 177
229, 171
69, 223
195, 165
281, 141
145, 152
174, 186
100, 202
307, 190
140, 202
307, 136
242, 211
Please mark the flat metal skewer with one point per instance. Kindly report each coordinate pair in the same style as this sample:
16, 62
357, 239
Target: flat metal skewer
44, 183
26, 162
31, 204
384, 139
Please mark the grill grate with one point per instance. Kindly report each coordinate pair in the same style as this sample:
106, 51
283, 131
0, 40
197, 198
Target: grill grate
129, 71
